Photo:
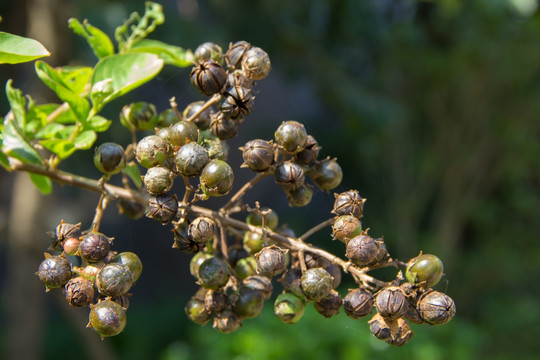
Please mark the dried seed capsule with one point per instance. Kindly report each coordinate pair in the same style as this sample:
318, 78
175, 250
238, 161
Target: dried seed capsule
180, 134
217, 178
203, 119
260, 283
63, 232
326, 174
288, 308
310, 152
196, 311
217, 149
88, 272
291, 136
196, 262
401, 334
270, 261
183, 241
346, 227
391, 303
54, 271
131, 261
246, 267
71, 246
227, 321
123, 300
247, 302
79, 292
272, 219
413, 315
301, 196
313, 261
94, 247
349, 203
358, 303
114, 280
237, 78
109, 158
253, 242
330, 305
158, 179
362, 250
380, 328
202, 229
425, 270
132, 209
213, 273
256, 63
191, 159
139, 116
108, 318
258, 155
237, 102
162, 207
335, 271
316, 284
151, 151
208, 76
236, 53
292, 282
436, 308
208, 51
382, 253
215, 301
224, 127
289, 175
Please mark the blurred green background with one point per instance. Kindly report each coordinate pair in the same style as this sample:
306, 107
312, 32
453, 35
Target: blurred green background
433, 111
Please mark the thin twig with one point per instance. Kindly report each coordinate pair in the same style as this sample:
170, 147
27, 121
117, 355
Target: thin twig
232, 201
316, 228
214, 99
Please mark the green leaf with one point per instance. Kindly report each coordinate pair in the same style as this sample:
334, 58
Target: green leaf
132, 171
98, 124
4, 162
17, 103
136, 28
17, 49
60, 147
100, 43
85, 140
49, 131
62, 83
42, 182
172, 55
16, 145
126, 72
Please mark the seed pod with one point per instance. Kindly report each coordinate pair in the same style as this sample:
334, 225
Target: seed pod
181, 133
288, 308
301, 196
236, 53
131, 261
253, 242
256, 219
246, 267
335, 271
358, 303
330, 305
79, 292
316, 284
237, 78
191, 159
382, 252
166, 118
227, 321
224, 127
381, 327
236, 252
346, 227
151, 151
63, 232
196, 262
202, 229
292, 282
310, 153
436, 308
94, 247
256, 63
326, 174
114, 280
391, 303
270, 261
349, 203
289, 175
260, 283
247, 302
158, 179
196, 311
412, 314
208, 76
291, 136
215, 301
425, 270
217, 178
208, 51
401, 334
203, 119
54, 271
183, 241
362, 250
71, 246
162, 207
109, 158
88, 272
258, 155
108, 318
139, 116
237, 102
132, 209
123, 300
213, 273
217, 149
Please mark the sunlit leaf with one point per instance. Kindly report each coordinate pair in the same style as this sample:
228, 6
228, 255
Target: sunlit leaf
62, 148
16, 145
49, 131
132, 171
17, 49
100, 43
98, 124
172, 55
85, 140
17, 103
42, 182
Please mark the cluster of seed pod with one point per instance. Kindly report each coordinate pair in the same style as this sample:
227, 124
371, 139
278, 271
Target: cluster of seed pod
101, 280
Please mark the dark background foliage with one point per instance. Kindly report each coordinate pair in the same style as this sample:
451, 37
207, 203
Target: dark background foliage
431, 108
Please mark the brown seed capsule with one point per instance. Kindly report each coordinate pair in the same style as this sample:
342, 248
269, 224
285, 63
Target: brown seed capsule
380, 327
316, 284
183, 240
330, 305
346, 227
313, 261
94, 247
54, 271
358, 303
289, 175
391, 303
413, 315
310, 153
291, 136
362, 250
326, 174
162, 207
292, 282
237, 78
236, 53
224, 127
71, 246
436, 308
247, 302
258, 154
256, 63
260, 283
208, 51
349, 203
394, 332
401, 334
335, 271
270, 261
79, 292
301, 196
202, 229
215, 301
208, 76
63, 232
237, 102
114, 280
122, 300
158, 179
382, 252
227, 321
